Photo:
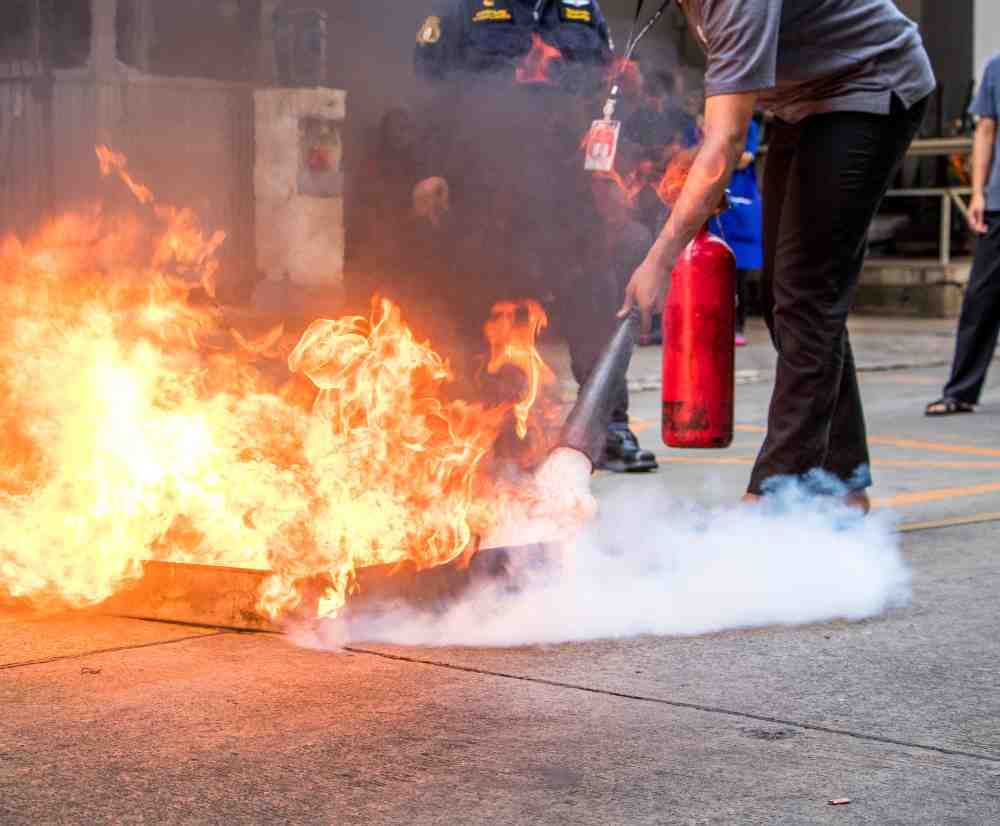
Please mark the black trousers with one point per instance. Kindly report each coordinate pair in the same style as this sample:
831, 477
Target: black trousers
824, 180
588, 319
979, 323
741, 299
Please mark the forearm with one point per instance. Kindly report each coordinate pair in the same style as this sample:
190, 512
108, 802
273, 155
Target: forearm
726, 121
700, 198
982, 154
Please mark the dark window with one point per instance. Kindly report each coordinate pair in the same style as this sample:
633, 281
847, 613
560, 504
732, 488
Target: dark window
190, 38
18, 41
66, 32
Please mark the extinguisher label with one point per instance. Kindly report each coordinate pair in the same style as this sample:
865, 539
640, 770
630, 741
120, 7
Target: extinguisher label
602, 145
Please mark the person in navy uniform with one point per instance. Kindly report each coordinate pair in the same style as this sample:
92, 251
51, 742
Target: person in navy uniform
515, 84
472, 36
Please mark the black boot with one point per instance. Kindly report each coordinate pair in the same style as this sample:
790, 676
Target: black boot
622, 453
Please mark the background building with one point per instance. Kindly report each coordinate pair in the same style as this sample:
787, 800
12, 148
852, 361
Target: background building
172, 85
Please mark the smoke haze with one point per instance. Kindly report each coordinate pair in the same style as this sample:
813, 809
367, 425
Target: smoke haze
677, 569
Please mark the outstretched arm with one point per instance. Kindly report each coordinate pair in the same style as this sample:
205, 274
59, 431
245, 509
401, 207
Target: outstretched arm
727, 118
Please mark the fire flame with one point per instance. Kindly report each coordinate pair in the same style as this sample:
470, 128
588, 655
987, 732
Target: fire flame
677, 172
512, 331
138, 425
535, 66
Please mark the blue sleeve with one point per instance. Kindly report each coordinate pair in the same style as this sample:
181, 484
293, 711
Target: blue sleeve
753, 138
985, 104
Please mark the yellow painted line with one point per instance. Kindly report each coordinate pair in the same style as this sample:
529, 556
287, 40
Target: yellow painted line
940, 447
640, 425
914, 444
954, 522
889, 378
936, 464
920, 497
706, 460
932, 464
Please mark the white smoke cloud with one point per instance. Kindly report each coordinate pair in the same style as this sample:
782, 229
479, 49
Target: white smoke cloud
667, 567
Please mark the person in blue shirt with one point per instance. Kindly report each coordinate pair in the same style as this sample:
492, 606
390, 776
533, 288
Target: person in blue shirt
979, 322
742, 225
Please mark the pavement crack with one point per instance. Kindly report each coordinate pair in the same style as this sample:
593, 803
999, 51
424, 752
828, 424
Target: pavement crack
81, 655
742, 715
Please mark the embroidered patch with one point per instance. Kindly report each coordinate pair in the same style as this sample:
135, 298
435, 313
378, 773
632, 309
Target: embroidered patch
576, 11
430, 31
577, 15
492, 16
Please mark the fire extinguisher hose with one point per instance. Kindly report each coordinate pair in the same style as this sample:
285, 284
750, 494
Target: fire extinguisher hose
586, 426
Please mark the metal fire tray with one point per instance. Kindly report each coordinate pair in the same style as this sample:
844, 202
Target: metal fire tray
223, 597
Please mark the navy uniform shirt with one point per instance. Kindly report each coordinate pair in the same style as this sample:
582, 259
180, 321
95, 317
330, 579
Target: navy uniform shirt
510, 149
486, 36
483, 124
812, 56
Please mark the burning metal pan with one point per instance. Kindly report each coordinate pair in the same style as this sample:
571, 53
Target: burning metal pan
228, 597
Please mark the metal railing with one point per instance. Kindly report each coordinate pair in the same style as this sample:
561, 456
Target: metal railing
948, 195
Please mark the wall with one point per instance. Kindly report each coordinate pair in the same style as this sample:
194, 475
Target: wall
947, 30
191, 141
25, 153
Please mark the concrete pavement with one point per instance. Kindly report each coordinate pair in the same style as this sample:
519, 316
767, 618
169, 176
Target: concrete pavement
120, 721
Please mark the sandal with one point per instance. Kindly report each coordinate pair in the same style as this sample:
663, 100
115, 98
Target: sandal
948, 407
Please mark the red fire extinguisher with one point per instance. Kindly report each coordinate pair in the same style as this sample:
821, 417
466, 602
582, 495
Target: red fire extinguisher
699, 357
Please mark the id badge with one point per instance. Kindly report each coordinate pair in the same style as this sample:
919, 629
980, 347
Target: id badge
602, 145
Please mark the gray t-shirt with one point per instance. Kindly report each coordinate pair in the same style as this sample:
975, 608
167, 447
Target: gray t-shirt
811, 56
987, 105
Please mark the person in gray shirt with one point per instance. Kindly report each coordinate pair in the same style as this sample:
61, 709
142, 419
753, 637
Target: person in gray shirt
979, 322
847, 82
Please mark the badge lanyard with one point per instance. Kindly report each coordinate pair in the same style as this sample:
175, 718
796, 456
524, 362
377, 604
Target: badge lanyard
602, 140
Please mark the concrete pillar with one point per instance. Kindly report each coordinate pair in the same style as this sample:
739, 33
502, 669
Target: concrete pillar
142, 34
265, 57
104, 65
103, 40
299, 209
987, 33
948, 34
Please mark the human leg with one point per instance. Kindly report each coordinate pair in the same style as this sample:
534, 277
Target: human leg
979, 322
814, 248
589, 323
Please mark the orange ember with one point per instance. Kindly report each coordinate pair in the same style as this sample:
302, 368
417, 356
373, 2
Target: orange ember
677, 172
626, 75
138, 425
536, 64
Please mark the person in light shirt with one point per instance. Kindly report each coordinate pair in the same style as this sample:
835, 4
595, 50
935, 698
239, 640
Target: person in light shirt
847, 82
979, 322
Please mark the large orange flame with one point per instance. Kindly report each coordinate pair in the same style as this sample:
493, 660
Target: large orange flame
536, 66
137, 425
512, 331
